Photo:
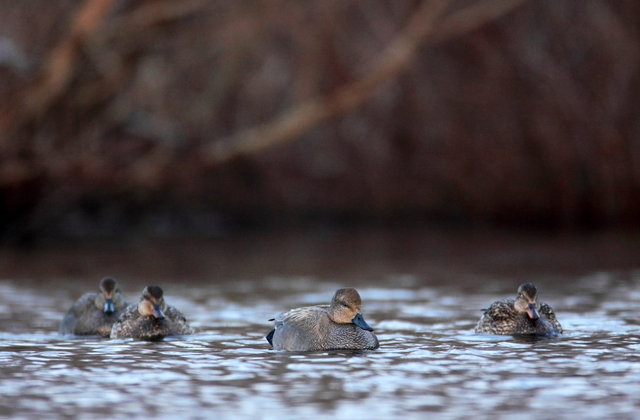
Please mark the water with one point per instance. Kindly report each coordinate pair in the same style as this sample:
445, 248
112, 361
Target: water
422, 293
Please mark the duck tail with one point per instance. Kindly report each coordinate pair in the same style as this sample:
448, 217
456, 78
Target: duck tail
269, 337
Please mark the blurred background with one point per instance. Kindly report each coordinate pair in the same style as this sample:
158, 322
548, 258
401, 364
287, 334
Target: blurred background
139, 118
252, 156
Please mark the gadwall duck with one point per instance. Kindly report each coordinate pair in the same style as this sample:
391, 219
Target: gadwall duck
150, 319
522, 316
95, 313
339, 326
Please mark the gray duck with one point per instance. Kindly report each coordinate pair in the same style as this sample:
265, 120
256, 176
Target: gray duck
94, 313
338, 326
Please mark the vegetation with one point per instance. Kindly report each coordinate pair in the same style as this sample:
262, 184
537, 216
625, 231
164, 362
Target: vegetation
477, 111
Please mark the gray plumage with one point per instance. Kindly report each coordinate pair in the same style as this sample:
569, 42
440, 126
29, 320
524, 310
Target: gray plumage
151, 319
95, 313
523, 315
339, 326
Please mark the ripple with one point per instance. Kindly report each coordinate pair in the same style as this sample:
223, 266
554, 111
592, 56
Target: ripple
429, 360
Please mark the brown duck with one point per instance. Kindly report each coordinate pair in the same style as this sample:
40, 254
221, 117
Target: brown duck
151, 319
523, 315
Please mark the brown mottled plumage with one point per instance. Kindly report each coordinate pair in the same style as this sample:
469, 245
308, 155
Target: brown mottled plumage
150, 319
95, 313
339, 326
522, 316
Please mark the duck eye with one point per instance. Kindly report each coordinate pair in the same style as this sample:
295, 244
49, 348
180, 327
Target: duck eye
345, 305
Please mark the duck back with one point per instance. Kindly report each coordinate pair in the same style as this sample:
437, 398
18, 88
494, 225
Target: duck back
84, 318
133, 325
501, 318
311, 329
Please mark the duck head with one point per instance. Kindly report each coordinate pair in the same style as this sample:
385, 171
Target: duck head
152, 303
345, 308
527, 301
109, 293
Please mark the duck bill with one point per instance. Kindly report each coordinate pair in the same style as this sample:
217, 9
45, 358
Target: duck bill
360, 322
109, 307
157, 312
532, 311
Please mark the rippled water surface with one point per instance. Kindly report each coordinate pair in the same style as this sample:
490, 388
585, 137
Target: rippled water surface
422, 293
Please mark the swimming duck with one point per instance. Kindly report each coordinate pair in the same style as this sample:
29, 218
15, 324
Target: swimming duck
524, 315
151, 319
95, 313
339, 326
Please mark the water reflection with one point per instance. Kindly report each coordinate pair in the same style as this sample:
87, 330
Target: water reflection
429, 360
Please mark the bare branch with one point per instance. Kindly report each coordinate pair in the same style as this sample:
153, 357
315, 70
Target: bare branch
57, 71
422, 28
